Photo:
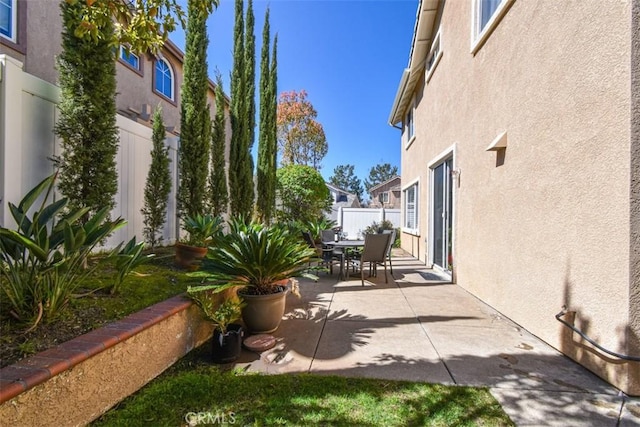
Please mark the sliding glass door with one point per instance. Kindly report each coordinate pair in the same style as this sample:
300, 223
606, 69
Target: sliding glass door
442, 190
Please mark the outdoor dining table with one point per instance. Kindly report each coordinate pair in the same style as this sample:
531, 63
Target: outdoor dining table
346, 245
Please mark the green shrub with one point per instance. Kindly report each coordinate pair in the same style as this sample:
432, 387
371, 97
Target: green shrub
43, 262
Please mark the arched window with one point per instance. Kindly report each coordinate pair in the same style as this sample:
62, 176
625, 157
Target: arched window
163, 79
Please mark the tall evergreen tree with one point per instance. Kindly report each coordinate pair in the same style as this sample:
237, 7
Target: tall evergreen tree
344, 177
158, 185
195, 122
265, 204
250, 76
87, 124
240, 160
218, 195
273, 125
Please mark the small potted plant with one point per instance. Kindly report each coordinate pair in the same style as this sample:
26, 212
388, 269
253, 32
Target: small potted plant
201, 229
227, 335
261, 260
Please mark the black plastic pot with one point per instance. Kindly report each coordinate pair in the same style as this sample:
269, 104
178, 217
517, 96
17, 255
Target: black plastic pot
227, 347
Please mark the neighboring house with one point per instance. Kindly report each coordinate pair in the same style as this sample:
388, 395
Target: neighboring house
521, 165
386, 194
341, 199
30, 40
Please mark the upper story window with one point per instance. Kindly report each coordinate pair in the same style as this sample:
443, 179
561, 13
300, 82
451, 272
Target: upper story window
434, 57
409, 127
130, 58
163, 79
486, 16
384, 197
8, 18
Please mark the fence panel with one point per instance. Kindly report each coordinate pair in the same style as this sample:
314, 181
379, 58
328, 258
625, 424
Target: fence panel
356, 220
28, 111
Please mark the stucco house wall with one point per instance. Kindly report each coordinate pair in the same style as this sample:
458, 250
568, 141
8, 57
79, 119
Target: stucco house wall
546, 222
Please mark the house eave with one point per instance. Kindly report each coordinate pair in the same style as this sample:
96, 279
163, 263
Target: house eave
422, 39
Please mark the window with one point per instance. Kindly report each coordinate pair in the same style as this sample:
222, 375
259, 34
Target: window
411, 208
434, 57
163, 79
8, 16
409, 129
486, 16
130, 58
384, 197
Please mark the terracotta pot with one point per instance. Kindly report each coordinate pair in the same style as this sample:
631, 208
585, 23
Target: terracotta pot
189, 257
262, 314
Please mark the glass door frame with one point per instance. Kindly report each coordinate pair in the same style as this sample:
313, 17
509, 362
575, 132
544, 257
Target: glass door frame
448, 226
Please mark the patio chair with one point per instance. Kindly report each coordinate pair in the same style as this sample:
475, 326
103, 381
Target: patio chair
329, 253
325, 254
392, 232
374, 252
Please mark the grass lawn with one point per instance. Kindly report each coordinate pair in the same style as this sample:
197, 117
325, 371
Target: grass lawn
193, 390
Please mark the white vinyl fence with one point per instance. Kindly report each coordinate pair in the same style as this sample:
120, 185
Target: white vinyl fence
356, 220
27, 114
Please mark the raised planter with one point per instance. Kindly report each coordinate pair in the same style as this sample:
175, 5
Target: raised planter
77, 381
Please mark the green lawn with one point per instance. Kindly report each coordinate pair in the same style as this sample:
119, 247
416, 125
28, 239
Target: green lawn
205, 395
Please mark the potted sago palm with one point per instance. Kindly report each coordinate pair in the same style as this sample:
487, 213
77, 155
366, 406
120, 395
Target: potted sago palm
262, 261
201, 230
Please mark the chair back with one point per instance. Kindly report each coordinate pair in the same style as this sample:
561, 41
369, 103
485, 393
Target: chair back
307, 238
392, 239
375, 247
327, 235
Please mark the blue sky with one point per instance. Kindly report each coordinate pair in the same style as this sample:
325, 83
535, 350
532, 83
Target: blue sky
347, 54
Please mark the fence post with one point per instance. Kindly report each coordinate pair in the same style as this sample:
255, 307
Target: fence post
340, 219
10, 136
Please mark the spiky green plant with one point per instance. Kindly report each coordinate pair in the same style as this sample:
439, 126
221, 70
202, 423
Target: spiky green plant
256, 257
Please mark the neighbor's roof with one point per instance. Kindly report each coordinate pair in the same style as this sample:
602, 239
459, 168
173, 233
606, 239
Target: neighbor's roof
375, 187
422, 38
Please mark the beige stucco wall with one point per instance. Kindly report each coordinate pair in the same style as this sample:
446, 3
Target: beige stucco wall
547, 223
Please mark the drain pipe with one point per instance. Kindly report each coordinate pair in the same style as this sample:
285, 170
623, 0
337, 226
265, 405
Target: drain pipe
592, 342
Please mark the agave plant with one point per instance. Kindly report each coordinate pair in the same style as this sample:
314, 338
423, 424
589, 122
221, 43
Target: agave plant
257, 257
43, 260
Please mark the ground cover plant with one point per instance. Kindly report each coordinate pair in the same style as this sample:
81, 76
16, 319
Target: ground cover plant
94, 306
194, 392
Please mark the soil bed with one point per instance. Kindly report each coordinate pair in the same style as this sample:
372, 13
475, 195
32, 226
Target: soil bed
151, 283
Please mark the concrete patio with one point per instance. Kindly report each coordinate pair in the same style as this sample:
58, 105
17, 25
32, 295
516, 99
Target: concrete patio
418, 327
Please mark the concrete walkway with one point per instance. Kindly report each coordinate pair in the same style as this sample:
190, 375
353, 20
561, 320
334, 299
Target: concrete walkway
418, 327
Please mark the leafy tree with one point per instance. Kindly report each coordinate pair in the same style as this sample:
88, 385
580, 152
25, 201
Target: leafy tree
344, 177
218, 195
87, 125
240, 160
379, 174
195, 121
158, 185
303, 194
301, 138
267, 144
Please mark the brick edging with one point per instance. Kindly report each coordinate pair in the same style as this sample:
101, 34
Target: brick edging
27, 373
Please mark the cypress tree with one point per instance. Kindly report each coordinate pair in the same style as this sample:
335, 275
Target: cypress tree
218, 196
237, 155
265, 205
273, 127
158, 185
195, 121
87, 124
